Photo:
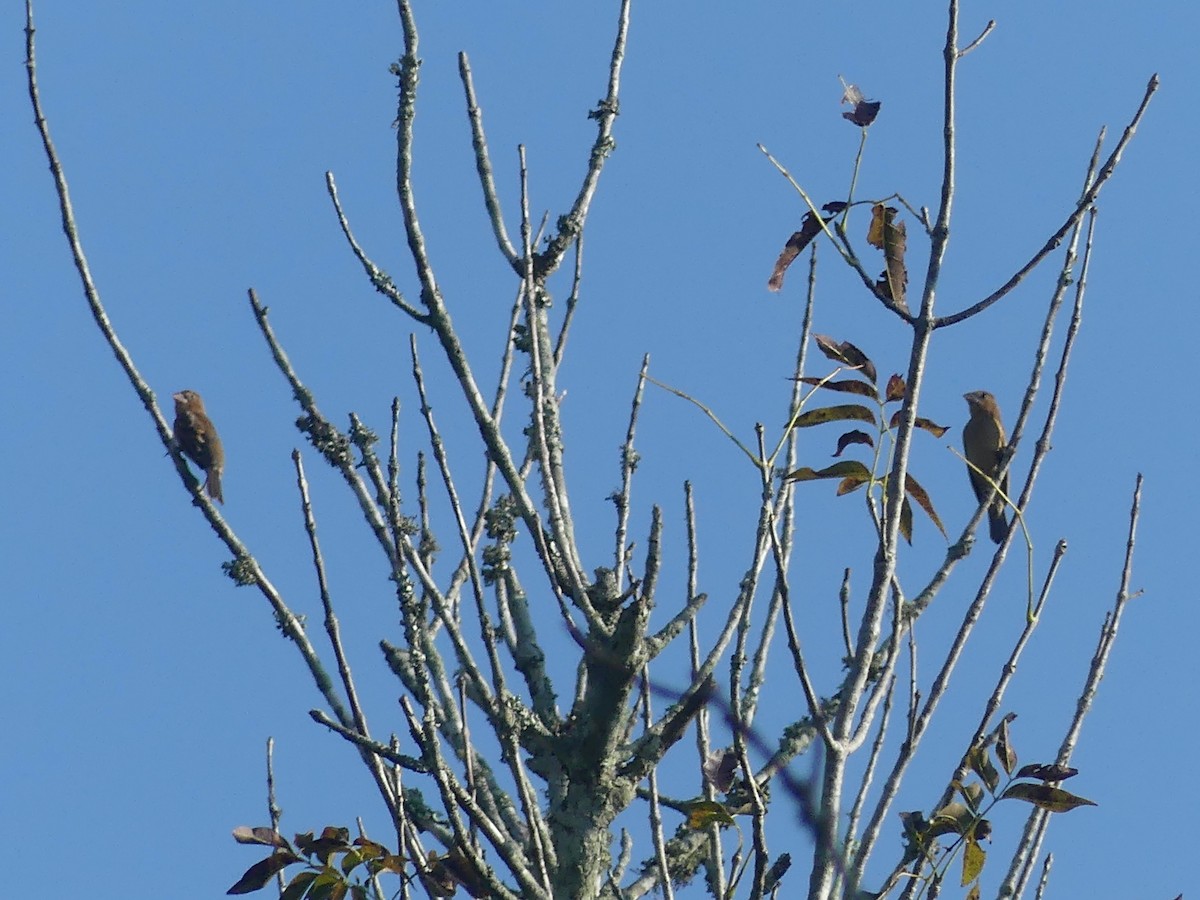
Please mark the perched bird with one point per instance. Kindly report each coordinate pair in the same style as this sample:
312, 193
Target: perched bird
983, 441
197, 438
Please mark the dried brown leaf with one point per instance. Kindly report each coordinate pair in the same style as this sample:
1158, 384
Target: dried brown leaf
890, 236
1044, 772
921, 422
906, 521
846, 353
850, 484
853, 437
1004, 749
864, 111
918, 493
719, 769
844, 386
847, 468
810, 227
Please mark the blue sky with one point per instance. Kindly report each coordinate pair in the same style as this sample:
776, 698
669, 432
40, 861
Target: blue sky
143, 685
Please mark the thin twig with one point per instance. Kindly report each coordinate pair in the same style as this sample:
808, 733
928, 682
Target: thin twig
333, 629
629, 462
483, 165
1036, 825
380, 279
1081, 207
987, 29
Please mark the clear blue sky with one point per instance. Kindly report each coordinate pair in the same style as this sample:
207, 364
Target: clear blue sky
143, 685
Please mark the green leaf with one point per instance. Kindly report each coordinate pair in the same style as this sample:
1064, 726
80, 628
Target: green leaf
981, 765
1045, 797
257, 876
351, 859
974, 857
844, 413
953, 818
972, 793
298, 886
324, 885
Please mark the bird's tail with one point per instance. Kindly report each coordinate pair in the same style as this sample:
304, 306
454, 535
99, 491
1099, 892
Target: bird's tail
213, 485
997, 521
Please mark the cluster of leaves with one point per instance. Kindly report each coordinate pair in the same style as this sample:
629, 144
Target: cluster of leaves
966, 819
852, 474
721, 770
334, 866
884, 233
864, 111
890, 236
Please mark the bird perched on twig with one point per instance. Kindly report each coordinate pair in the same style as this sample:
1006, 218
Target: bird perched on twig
983, 443
197, 438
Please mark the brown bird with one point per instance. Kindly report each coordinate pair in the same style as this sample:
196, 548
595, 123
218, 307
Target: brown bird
197, 438
983, 441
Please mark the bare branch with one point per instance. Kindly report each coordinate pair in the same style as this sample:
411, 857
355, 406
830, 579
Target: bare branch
1085, 202
483, 165
380, 279
987, 29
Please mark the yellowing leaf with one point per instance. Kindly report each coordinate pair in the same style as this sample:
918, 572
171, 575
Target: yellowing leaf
853, 483
703, 813
849, 412
974, 857
971, 792
890, 236
981, 765
1051, 799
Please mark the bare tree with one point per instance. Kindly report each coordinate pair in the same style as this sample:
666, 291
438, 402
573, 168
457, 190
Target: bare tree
504, 788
